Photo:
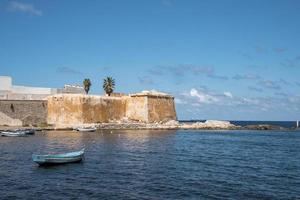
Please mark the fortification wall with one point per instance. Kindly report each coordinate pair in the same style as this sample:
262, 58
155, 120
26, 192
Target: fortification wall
71, 109
161, 108
64, 109
27, 112
76, 109
103, 109
137, 108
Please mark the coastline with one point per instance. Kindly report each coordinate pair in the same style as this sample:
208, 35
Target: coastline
170, 125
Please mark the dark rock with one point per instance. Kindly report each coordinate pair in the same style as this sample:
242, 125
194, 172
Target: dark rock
263, 127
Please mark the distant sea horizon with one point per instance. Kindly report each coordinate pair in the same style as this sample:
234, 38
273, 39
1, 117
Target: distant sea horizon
286, 124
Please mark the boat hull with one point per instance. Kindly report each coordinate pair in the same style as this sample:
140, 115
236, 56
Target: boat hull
86, 129
13, 134
18, 133
72, 157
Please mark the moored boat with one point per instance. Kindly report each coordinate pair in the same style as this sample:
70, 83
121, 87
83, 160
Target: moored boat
29, 131
56, 159
18, 133
13, 134
92, 129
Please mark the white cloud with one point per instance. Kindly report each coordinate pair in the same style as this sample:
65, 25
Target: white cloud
206, 103
228, 94
24, 7
203, 97
179, 101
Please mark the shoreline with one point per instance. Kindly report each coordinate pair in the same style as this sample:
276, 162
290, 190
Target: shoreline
170, 125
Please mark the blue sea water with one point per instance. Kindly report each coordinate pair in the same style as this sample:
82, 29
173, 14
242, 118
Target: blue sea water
143, 164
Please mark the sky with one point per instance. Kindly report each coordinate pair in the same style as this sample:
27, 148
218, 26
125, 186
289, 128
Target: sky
228, 60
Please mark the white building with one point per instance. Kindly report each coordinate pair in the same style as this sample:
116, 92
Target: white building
15, 92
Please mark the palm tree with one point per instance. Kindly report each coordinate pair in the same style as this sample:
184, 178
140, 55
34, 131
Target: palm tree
109, 85
86, 85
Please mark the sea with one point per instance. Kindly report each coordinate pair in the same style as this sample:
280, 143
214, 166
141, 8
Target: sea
149, 164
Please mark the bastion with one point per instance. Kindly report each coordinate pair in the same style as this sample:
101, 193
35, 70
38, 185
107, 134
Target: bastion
76, 109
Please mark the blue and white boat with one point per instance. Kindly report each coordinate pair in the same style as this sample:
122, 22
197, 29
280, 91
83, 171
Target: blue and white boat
13, 134
55, 159
18, 133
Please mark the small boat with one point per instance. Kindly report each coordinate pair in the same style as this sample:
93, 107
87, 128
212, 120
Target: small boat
56, 159
18, 133
26, 131
13, 134
29, 131
86, 129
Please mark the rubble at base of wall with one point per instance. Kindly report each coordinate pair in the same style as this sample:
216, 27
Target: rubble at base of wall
172, 124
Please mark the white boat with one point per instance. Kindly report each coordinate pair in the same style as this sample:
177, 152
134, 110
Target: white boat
13, 134
56, 159
18, 133
85, 129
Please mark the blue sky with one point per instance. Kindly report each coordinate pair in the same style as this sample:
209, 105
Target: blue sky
230, 59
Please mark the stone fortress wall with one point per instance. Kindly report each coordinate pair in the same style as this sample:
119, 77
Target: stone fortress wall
23, 112
21, 105
75, 109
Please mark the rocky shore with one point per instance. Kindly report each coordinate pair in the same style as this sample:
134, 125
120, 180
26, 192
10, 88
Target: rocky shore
168, 125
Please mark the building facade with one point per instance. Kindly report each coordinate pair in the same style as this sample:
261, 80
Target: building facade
8, 91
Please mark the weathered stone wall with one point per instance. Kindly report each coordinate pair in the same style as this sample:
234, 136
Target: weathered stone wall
150, 108
137, 108
76, 109
64, 109
29, 112
71, 109
161, 108
103, 109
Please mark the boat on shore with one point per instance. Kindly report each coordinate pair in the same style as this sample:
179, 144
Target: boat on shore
18, 133
80, 129
57, 159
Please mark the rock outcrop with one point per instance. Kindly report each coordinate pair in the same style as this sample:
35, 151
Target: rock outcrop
263, 127
209, 124
172, 124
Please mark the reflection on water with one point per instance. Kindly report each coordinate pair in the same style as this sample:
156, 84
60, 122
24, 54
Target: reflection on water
144, 164
62, 141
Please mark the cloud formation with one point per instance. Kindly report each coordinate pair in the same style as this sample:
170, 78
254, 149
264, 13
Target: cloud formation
269, 84
181, 70
291, 62
146, 80
279, 50
214, 104
178, 72
246, 77
228, 94
214, 76
16, 6
255, 89
202, 97
67, 70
